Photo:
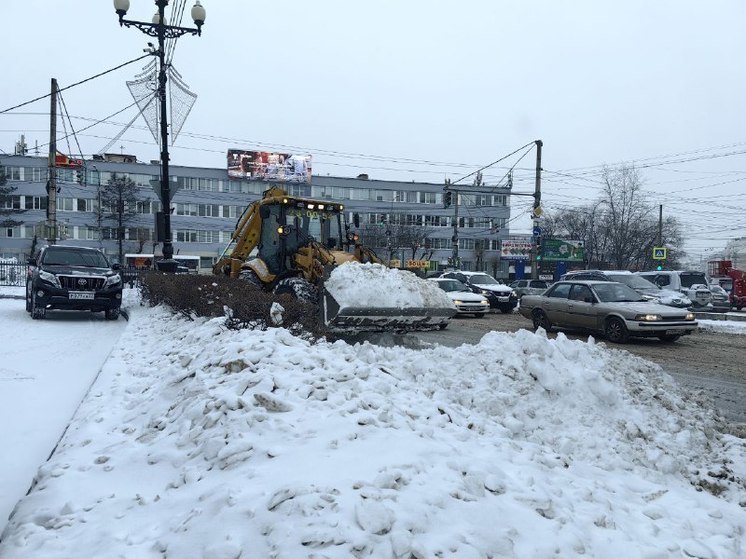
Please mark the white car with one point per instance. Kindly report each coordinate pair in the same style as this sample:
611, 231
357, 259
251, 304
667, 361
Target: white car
499, 295
465, 300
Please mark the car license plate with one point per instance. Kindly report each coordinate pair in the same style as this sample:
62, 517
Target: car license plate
503, 299
672, 332
81, 295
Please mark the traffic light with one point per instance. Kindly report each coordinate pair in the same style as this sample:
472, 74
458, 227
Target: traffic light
447, 198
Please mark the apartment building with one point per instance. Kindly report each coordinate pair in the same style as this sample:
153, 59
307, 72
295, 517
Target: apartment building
207, 203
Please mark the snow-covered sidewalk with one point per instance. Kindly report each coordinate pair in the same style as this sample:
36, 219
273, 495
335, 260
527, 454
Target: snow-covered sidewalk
205, 443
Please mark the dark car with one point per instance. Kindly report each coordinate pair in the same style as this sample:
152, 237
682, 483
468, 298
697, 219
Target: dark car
499, 295
720, 298
73, 278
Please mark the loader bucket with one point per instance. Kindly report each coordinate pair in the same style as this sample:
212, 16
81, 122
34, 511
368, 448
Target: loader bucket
381, 319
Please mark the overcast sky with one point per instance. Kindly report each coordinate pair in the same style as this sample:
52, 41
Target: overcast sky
421, 90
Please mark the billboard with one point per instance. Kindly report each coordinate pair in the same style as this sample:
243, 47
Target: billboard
558, 249
268, 166
515, 250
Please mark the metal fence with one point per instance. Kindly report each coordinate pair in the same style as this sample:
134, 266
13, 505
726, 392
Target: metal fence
12, 274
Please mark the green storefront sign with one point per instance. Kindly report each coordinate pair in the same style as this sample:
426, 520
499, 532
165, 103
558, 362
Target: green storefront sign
558, 249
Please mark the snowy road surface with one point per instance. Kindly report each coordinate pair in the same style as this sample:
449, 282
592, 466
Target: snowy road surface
37, 397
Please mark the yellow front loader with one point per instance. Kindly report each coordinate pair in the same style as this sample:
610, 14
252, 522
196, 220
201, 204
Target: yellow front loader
289, 244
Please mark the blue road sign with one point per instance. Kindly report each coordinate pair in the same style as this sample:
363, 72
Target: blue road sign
537, 231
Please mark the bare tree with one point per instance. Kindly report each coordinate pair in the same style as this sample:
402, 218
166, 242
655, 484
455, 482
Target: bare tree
119, 197
620, 229
390, 238
9, 207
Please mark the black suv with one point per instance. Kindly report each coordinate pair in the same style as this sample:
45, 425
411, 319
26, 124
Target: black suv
73, 278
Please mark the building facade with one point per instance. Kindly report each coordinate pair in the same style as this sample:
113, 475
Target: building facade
206, 205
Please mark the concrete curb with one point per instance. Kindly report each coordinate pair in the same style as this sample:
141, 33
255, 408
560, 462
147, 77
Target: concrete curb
721, 316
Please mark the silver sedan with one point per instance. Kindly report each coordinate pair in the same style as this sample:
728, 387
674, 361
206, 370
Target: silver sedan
611, 308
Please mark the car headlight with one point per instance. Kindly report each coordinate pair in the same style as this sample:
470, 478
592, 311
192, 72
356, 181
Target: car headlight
648, 317
458, 302
49, 278
689, 316
113, 280
649, 297
485, 292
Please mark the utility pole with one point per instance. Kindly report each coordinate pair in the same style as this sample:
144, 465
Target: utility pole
161, 31
52, 168
454, 239
660, 225
536, 213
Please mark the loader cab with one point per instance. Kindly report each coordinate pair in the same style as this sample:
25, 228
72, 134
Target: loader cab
291, 224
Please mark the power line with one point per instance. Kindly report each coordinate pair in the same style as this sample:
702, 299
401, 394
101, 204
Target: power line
75, 84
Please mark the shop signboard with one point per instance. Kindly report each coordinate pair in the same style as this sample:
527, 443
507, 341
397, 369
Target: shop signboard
560, 249
515, 250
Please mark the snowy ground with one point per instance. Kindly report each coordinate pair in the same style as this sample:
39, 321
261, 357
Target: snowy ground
205, 443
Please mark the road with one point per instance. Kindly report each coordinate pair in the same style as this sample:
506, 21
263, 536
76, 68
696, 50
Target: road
47, 367
710, 362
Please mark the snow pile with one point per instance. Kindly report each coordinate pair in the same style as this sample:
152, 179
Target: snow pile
385, 287
211, 444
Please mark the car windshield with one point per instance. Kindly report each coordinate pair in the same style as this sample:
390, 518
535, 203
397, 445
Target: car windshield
615, 292
540, 284
633, 281
483, 279
452, 285
66, 257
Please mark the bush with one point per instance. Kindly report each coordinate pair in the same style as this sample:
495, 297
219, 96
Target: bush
243, 304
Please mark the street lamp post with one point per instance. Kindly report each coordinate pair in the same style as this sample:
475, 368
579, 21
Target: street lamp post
161, 31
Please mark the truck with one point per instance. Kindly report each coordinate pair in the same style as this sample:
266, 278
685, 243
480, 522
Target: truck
288, 244
731, 279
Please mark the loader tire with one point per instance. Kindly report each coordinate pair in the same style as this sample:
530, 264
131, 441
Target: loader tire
298, 288
251, 277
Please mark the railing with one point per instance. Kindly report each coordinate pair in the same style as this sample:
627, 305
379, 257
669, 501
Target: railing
12, 274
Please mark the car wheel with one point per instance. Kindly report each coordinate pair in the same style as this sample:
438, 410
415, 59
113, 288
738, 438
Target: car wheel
616, 331
37, 312
479, 314
111, 314
443, 326
541, 320
668, 338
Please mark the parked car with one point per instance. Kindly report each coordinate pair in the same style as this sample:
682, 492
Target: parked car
499, 295
73, 278
643, 286
466, 301
611, 308
691, 283
720, 298
528, 287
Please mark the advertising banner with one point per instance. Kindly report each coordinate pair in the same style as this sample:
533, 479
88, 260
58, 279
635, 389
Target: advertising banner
268, 166
515, 250
558, 249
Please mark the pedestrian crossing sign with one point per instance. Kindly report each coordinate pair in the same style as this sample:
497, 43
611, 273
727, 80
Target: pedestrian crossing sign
659, 253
